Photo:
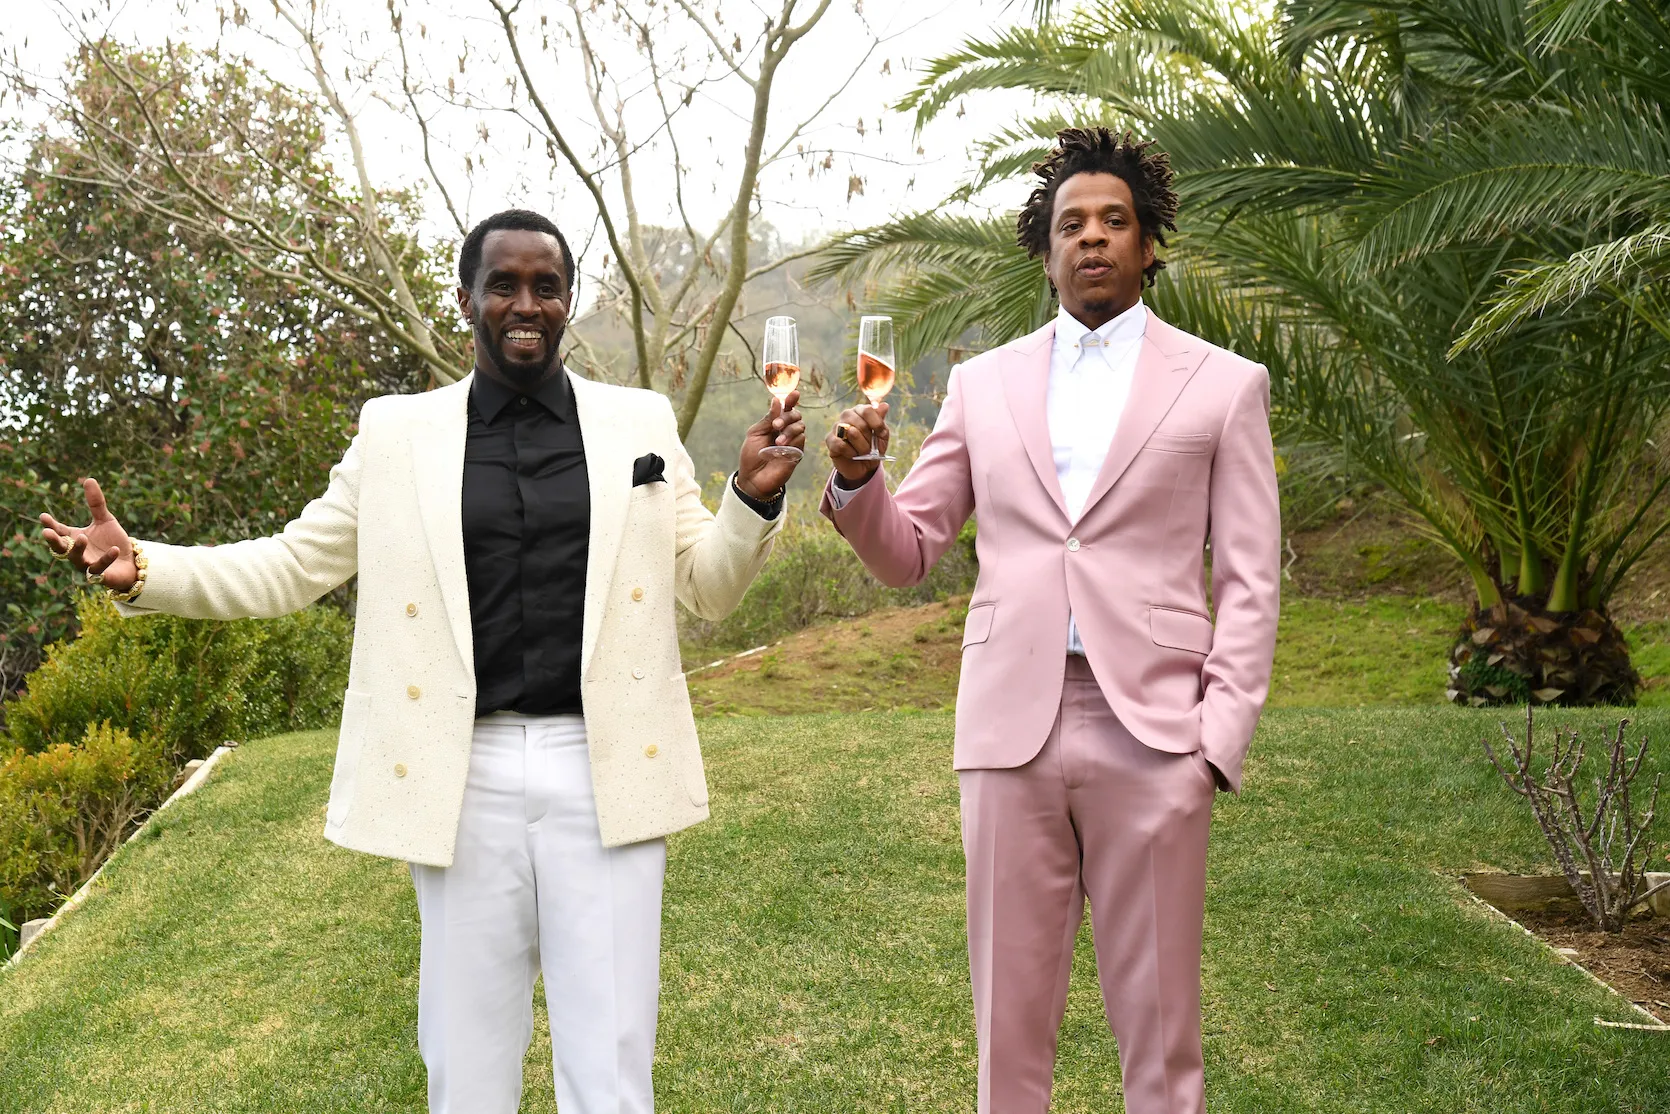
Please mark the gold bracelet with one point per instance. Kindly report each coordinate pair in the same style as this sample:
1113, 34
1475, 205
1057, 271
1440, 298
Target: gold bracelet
141, 562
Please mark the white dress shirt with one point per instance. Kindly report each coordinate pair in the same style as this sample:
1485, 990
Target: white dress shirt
1090, 380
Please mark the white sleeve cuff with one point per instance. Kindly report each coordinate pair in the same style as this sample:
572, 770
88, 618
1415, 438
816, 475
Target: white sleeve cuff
840, 496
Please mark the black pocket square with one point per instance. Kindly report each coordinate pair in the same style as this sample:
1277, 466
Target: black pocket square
648, 469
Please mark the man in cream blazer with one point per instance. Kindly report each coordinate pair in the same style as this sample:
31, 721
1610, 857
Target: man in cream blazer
534, 829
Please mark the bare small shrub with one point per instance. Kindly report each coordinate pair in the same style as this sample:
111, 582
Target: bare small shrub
1599, 849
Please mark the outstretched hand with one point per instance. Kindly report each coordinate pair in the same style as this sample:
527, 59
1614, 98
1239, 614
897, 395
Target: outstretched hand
762, 477
101, 548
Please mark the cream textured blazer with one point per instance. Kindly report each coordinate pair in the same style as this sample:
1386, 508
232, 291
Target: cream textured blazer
392, 514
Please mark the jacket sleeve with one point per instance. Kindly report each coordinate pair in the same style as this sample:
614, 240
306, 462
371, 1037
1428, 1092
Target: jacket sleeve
263, 577
900, 535
1245, 530
716, 556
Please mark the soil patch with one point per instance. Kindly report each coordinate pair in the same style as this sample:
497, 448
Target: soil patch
1635, 962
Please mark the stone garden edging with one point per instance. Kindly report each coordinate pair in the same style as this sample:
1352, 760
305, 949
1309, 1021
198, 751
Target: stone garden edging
1654, 1023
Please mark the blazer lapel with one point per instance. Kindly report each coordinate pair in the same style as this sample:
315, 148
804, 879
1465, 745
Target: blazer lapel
437, 447
1026, 384
1167, 361
605, 433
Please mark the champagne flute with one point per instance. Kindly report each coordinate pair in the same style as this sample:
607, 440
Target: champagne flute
875, 366
782, 371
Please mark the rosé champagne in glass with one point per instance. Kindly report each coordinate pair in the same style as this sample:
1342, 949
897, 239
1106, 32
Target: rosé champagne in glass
782, 371
875, 365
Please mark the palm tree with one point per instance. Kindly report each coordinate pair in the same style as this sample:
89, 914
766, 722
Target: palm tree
1356, 220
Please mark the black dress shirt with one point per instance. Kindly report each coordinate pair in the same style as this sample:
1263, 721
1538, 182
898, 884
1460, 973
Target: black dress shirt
527, 523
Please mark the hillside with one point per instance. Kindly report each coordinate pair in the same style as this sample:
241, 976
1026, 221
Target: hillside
1368, 612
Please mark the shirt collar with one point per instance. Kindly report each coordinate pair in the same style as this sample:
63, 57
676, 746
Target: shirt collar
490, 397
1070, 332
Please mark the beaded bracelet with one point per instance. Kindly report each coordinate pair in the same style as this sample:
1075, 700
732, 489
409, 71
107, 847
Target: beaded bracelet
141, 563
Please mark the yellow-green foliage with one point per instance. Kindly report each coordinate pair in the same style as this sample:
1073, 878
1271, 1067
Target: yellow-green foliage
188, 683
65, 809
94, 740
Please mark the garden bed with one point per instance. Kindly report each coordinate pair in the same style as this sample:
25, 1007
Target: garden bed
1634, 962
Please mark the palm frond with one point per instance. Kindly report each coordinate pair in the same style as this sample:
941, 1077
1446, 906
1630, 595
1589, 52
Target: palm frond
940, 277
1520, 169
1627, 263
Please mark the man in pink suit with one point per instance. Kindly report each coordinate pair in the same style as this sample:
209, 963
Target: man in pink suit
1101, 705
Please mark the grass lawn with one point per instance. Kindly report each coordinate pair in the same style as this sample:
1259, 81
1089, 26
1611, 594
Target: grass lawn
814, 955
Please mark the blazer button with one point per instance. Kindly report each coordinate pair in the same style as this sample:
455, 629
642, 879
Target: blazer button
413, 691
400, 769
651, 751
637, 594
638, 674
1072, 545
411, 609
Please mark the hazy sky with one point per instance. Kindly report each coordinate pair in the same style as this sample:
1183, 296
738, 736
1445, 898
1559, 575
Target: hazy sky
858, 135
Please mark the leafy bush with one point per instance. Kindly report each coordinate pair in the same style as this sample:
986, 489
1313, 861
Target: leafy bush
301, 673
180, 682
103, 725
189, 684
65, 809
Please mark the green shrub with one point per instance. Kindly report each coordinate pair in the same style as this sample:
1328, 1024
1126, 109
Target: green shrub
178, 681
191, 684
77, 779
302, 672
64, 809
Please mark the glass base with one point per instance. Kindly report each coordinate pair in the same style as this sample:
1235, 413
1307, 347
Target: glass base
873, 455
785, 452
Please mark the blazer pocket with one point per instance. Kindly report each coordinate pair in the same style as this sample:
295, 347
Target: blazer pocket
350, 744
979, 625
1180, 442
1180, 630
650, 490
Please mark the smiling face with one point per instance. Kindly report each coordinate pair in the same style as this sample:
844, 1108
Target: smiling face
519, 307
1097, 251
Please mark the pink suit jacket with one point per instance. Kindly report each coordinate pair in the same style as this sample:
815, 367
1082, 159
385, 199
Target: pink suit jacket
1191, 460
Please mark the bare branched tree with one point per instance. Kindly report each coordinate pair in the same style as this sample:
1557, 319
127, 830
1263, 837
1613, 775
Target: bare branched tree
1600, 850
679, 290
619, 93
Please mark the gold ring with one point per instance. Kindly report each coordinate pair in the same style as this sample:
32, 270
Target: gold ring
841, 430
56, 556
95, 578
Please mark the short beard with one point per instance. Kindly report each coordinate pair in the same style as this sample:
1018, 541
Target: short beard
523, 374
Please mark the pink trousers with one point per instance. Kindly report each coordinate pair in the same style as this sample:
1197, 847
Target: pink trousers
1096, 814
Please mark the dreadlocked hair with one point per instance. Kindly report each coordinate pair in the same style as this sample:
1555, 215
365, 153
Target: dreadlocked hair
1098, 150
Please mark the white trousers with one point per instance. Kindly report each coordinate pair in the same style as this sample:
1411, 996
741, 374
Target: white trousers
531, 886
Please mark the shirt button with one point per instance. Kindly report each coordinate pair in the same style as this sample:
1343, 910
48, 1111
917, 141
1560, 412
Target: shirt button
413, 691
638, 674
400, 769
411, 609
1072, 545
651, 751
637, 594
523, 401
